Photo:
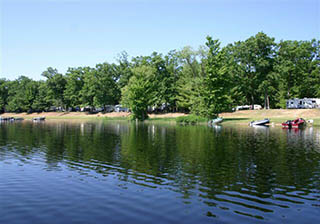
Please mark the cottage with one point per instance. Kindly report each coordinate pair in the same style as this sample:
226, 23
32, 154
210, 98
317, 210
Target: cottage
305, 103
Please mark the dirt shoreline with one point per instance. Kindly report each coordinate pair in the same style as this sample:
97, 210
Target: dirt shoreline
240, 117
83, 115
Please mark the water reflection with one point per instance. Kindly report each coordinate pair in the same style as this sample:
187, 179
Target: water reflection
235, 173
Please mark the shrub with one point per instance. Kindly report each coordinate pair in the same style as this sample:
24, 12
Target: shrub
190, 119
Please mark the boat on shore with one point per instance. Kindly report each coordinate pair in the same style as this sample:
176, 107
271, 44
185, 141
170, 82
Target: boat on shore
6, 118
11, 118
18, 118
38, 118
260, 122
297, 123
216, 121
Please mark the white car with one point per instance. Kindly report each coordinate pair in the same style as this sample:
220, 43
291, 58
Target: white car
119, 108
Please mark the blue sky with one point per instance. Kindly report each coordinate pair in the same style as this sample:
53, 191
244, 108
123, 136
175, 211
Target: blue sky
36, 34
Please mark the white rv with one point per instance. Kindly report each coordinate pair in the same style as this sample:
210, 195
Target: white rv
305, 103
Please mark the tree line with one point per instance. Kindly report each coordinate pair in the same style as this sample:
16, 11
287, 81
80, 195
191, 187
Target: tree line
205, 81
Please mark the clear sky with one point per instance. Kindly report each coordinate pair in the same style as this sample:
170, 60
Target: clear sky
36, 34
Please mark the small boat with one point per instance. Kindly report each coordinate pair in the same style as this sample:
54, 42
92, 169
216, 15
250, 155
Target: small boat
38, 118
297, 123
18, 118
260, 122
6, 119
216, 121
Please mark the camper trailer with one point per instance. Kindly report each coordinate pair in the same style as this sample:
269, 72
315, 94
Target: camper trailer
305, 103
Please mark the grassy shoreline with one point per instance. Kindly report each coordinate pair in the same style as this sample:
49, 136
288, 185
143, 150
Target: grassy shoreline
276, 116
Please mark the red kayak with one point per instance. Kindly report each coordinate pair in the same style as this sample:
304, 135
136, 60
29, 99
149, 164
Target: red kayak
297, 123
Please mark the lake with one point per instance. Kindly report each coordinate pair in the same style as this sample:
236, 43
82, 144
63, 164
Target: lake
121, 172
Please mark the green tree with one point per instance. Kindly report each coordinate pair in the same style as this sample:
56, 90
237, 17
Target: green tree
74, 85
169, 86
140, 92
56, 84
3, 94
123, 70
40, 102
190, 79
107, 91
253, 65
100, 87
21, 94
298, 63
88, 90
215, 94
165, 76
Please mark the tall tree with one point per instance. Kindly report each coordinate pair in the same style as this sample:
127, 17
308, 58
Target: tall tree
21, 95
41, 102
173, 69
254, 62
88, 91
100, 87
165, 76
56, 84
140, 92
107, 91
215, 94
190, 78
74, 84
3, 94
124, 72
298, 63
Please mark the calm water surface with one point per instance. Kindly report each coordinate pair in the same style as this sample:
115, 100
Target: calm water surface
108, 172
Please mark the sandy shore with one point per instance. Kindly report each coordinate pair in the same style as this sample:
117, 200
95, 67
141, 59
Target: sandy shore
80, 115
277, 116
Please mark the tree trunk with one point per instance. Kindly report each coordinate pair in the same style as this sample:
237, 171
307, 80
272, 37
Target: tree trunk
252, 102
266, 100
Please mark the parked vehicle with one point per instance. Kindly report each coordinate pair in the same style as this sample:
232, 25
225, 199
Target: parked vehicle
297, 123
119, 108
260, 122
86, 109
98, 109
109, 108
159, 108
305, 103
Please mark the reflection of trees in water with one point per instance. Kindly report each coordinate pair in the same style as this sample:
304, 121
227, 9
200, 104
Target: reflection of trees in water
219, 165
253, 162
63, 141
